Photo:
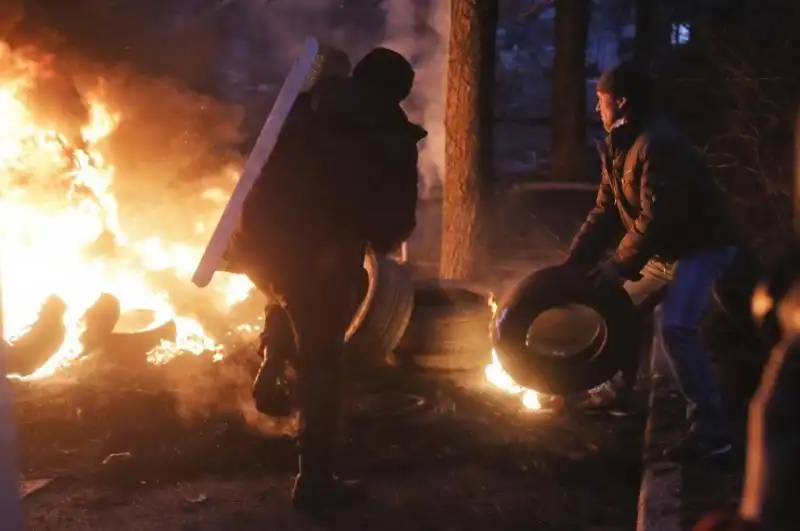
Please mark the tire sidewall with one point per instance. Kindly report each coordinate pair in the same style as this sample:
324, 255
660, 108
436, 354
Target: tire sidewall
557, 286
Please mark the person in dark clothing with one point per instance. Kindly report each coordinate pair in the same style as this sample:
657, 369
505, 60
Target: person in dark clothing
343, 177
661, 208
271, 390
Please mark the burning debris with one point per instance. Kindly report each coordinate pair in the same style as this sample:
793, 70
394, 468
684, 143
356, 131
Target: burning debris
69, 264
99, 321
40, 341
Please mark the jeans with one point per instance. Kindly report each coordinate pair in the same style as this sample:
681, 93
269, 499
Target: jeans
686, 301
683, 292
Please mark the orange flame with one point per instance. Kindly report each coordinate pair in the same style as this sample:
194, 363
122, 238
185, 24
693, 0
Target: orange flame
497, 376
56, 204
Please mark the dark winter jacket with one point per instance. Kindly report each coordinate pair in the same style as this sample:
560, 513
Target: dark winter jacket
656, 198
343, 175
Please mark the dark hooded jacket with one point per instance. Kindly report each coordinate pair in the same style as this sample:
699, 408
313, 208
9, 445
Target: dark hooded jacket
656, 198
343, 173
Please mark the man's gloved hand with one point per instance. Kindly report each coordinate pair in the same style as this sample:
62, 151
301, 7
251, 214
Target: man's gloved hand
606, 273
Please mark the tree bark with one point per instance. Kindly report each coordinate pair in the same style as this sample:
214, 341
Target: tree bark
467, 153
569, 90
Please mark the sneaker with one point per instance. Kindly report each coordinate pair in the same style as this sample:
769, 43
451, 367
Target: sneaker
695, 446
604, 399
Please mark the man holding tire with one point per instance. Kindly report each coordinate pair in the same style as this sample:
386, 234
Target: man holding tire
661, 208
343, 177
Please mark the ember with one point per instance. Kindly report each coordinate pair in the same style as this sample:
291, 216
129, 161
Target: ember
60, 232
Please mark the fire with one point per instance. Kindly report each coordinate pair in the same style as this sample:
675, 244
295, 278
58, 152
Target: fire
497, 376
60, 231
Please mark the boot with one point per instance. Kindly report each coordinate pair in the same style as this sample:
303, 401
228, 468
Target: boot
318, 493
317, 488
272, 390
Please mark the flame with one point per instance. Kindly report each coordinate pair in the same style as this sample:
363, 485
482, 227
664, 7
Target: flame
497, 376
57, 206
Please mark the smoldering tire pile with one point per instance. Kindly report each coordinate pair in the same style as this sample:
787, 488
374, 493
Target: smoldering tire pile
100, 340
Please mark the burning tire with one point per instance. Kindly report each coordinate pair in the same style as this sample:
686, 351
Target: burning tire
608, 331
130, 342
383, 315
449, 328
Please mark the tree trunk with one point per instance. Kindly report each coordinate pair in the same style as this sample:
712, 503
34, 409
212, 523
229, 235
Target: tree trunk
467, 122
569, 90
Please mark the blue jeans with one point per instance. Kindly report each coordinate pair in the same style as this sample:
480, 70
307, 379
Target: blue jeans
686, 300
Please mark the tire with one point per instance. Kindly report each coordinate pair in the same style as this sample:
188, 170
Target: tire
100, 320
601, 356
449, 328
383, 315
131, 348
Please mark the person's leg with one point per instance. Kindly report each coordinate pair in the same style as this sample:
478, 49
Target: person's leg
270, 389
320, 312
681, 312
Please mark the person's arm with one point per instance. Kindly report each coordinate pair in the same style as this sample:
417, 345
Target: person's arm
395, 192
396, 204
601, 227
659, 181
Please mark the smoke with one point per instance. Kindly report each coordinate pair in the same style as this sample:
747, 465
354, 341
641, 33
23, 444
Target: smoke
417, 29
202, 390
420, 33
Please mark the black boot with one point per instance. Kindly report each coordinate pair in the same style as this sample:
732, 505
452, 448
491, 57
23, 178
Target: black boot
272, 390
314, 493
317, 488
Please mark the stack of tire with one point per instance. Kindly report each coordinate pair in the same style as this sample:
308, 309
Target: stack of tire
443, 325
430, 324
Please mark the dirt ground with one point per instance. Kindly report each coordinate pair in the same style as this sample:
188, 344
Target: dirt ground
125, 457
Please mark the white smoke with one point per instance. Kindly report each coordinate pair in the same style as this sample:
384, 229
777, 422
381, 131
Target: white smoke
420, 33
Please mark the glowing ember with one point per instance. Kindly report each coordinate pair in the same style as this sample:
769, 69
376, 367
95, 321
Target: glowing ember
60, 231
497, 376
